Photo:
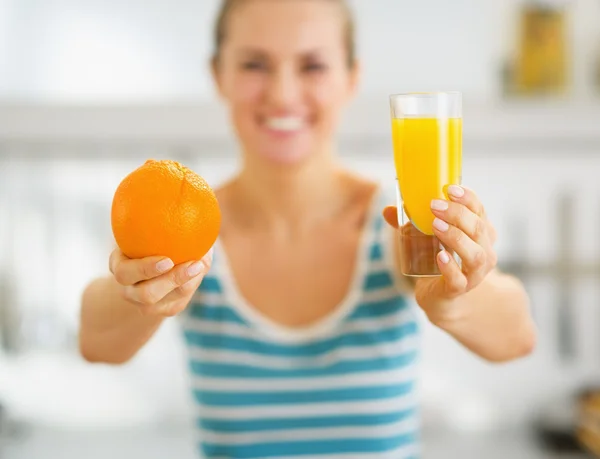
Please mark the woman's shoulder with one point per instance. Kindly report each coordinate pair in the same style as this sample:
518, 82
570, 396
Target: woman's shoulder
361, 190
371, 195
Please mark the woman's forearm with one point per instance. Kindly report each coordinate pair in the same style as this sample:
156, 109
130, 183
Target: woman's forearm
112, 328
495, 322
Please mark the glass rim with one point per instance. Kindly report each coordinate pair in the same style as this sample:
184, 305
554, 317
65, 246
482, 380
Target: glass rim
425, 94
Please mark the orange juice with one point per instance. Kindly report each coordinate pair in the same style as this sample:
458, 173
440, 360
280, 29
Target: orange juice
428, 156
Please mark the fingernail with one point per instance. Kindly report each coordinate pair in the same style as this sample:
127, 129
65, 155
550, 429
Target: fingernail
456, 191
164, 265
444, 257
439, 204
440, 224
195, 269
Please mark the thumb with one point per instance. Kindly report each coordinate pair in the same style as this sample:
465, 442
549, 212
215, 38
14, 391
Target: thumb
390, 214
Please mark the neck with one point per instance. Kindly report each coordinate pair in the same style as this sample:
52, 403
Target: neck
291, 196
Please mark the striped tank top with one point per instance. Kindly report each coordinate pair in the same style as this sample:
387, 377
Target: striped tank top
344, 388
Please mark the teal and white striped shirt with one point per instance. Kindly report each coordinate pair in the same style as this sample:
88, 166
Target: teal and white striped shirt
344, 388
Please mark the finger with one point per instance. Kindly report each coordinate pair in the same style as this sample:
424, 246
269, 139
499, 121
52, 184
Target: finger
129, 271
466, 196
152, 291
177, 300
172, 304
390, 214
463, 218
454, 281
116, 256
473, 255
189, 287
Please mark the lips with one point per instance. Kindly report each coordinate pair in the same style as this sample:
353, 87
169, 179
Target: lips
285, 137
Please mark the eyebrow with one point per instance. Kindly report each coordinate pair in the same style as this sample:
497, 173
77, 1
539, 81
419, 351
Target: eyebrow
257, 52
251, 52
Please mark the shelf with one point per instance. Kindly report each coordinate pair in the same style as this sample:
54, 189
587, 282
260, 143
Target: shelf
528, 121
539, 124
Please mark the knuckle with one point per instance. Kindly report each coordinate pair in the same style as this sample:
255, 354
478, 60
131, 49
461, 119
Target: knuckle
479, 229
473, 282
113, 257
179, 277
176, 280
126, 293
460, 284
479, 259
457, 236
120, 276
456, 285
147, 270
187, 289
460, 212
145, 296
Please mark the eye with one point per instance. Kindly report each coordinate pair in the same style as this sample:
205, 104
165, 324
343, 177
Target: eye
254, 66
314, 67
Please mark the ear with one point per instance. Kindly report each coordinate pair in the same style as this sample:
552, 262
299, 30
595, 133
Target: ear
216, 75
355, 75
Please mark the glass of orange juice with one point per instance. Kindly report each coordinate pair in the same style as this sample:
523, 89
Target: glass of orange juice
427, 141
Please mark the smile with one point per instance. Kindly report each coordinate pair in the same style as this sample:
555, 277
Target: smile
285, 123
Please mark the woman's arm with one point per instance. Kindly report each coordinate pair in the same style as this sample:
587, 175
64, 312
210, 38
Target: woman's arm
492, 320
120, 313
485, 310
112, 329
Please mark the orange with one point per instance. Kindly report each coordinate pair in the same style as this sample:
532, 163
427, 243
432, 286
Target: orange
165, 209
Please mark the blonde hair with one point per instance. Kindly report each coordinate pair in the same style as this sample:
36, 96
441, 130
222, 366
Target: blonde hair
227, 6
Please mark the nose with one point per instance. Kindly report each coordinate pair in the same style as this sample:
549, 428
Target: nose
284, 88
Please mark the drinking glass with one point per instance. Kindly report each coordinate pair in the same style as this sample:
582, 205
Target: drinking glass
427, 141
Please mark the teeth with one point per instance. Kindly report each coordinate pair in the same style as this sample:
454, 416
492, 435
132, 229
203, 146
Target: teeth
285, 123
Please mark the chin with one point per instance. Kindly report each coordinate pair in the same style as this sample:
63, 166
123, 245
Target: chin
284, 157
289, 150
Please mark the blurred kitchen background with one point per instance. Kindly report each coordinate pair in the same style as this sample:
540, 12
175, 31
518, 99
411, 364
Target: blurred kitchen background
89, 89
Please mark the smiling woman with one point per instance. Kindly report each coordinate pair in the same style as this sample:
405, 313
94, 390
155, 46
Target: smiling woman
300, 336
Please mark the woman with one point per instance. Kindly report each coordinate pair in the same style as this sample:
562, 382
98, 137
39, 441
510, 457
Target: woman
300, 337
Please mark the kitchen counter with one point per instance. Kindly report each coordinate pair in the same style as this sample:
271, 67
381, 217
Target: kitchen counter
499, 445
174, 442
48, 443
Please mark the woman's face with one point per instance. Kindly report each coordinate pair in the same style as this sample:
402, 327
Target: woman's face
283, 72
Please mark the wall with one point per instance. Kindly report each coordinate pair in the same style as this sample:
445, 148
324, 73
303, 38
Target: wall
148, 50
